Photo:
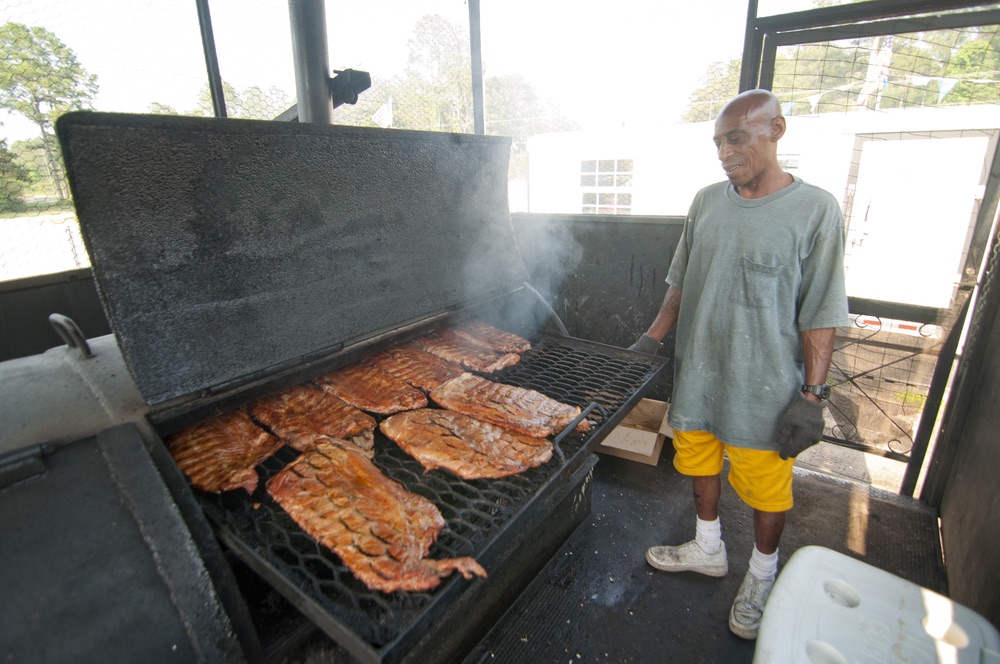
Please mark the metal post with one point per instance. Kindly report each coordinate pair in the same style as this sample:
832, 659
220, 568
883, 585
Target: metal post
309, 51
752, 39
211, 60
476, 46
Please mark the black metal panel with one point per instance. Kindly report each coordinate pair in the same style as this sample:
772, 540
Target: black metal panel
604, 276
225, 249
25, 306
482, 516
97, 564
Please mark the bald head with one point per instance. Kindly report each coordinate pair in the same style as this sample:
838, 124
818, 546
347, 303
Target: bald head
746, 137
754, 106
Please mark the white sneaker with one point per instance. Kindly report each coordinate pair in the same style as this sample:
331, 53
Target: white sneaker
748, 607
688, 557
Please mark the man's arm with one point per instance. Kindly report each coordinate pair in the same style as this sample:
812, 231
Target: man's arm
666, 317
665, 320
817, 353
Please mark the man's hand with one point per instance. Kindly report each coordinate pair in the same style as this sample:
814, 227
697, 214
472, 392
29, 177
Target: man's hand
799, 427
646, 344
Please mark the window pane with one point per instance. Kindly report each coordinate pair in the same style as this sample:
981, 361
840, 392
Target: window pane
624, 199
607, 199
605, 180
590, 199
624, 165
588, 166
587, 181
623, 180
607, 166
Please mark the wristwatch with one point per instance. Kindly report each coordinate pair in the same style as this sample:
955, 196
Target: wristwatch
822, 391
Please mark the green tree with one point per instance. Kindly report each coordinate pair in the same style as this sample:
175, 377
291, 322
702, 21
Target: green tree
158, 108
722, 83
42, 79
252, 103
30, 155
12, 178
977, 66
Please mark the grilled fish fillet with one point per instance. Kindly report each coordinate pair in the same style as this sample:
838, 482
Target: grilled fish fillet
371, 389
220, 454
485, 334
467, 447
523, 410
414, 366
381, 531
303, 413
448, 345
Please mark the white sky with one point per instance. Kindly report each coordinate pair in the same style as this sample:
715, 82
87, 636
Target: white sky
604, 63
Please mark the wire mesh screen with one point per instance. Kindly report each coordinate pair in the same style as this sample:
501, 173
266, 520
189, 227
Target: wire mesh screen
882, 114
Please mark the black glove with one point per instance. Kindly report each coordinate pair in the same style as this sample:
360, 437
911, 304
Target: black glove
799, 427
646, 344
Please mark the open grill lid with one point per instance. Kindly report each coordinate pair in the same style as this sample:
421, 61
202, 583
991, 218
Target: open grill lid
225, 250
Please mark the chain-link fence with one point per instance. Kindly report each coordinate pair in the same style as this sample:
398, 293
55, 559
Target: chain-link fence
903, 128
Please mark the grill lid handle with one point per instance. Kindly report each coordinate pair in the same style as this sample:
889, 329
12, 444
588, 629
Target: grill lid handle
71, 334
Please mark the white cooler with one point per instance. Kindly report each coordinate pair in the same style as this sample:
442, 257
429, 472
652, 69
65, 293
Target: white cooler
828, 608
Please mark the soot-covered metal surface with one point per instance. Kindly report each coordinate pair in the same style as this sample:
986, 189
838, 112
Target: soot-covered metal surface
97, 564
224, 249
481, 515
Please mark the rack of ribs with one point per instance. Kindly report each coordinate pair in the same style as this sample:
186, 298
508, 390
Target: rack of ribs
486, 335
371, 389
518, 408
220, 454
303, 413
381, 531
469, 448
414, 366
452, 347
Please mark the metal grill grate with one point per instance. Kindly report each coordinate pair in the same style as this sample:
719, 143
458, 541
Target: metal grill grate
478, 513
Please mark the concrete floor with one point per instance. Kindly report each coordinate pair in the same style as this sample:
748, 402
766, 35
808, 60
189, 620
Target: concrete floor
597, 600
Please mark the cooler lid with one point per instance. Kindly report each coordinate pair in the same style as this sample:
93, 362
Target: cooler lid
224, 250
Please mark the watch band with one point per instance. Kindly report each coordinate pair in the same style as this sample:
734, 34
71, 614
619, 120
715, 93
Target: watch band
822, 391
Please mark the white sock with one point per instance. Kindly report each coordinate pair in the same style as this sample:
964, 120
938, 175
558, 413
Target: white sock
764, 566
708, 535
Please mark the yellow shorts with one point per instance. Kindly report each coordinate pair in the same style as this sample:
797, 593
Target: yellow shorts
762, 479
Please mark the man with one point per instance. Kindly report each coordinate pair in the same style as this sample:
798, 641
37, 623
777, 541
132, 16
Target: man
760, 267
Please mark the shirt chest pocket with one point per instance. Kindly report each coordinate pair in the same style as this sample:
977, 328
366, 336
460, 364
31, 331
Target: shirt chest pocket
755, 284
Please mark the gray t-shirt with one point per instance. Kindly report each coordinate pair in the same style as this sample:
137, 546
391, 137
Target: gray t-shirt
753, 275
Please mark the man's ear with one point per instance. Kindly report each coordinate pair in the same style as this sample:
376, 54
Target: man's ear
778, 128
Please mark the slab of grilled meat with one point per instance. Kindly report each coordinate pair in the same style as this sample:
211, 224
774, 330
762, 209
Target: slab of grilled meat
303, 413
525, 411
468, 447
448, 345
484, 334
220, 454
414, 366
368, 388
381, 531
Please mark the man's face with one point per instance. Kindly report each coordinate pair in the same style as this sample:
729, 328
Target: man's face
743, 142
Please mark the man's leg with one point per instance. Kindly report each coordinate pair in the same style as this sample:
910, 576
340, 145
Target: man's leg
767, 529
707, 490
764, 481
699, 455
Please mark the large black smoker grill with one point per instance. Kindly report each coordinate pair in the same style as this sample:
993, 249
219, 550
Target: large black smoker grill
236, 258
